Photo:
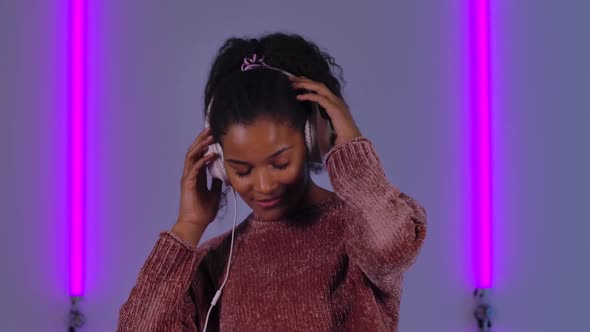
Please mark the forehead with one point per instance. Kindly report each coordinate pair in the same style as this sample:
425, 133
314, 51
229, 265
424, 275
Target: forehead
258, 139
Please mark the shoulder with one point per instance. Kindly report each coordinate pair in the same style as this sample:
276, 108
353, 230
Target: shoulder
336, 205
216, 242
211, 244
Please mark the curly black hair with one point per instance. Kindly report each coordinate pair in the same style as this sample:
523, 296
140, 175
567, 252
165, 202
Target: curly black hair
241, 97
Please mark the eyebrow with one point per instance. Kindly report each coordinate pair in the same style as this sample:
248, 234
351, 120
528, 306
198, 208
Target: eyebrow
271, 156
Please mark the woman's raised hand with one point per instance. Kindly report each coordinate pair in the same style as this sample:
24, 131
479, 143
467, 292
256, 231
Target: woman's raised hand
198, 204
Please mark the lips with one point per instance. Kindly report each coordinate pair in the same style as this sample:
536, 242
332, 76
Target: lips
268, 203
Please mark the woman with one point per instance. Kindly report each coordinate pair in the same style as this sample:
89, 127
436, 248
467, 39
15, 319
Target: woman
306, 258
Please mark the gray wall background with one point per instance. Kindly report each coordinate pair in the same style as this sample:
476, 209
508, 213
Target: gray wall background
405, 63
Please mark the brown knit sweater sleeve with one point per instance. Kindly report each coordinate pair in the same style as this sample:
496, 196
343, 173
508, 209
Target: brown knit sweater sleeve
388, 227
160, 299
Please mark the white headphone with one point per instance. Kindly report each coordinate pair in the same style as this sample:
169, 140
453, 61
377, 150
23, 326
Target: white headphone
318, 139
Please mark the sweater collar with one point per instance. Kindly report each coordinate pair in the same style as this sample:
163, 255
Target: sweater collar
299, 214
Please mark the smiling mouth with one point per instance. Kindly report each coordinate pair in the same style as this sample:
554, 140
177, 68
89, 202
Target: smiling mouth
268, 203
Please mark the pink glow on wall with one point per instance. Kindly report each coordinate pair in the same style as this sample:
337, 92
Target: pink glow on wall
481, 140
77, 165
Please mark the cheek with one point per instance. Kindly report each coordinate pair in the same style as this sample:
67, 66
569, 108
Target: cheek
241, 185
291, 175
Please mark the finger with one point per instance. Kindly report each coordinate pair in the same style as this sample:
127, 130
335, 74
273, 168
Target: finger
196, 152
194, 170
326, 103
336, 115
319, 88
199, 147
205, 133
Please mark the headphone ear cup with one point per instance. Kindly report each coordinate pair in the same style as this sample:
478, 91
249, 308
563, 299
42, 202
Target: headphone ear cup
215, 166
308, 140
312, 139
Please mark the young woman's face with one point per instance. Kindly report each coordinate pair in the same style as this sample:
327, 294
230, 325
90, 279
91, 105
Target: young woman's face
266, 160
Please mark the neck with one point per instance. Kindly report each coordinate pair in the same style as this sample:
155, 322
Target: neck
315, 194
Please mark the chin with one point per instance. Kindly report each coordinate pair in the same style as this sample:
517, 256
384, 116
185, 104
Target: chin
272, 213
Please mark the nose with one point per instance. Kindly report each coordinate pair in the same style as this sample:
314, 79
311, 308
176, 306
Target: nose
265, 184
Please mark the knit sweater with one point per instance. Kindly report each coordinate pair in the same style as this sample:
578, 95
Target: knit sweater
334, 266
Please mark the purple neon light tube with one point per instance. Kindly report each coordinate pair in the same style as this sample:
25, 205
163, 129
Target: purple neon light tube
77, 144
479, 21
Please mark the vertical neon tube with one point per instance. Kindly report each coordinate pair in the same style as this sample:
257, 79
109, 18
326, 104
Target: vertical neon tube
481, 140
77, 110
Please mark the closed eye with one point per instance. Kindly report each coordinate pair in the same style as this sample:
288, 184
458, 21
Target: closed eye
242, 174
283, 166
